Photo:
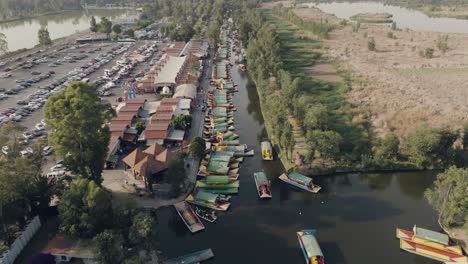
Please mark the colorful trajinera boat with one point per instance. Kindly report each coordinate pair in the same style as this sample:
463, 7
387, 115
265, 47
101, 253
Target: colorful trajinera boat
189, 217
208, 200
430, 244
310, 247
263, 185
267, 151
300, 181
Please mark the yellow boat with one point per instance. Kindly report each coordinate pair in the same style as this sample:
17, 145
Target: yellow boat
267, 151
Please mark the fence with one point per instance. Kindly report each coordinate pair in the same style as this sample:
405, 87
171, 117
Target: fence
15, 249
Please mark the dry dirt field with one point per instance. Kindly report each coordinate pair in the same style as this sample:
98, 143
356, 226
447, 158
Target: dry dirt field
400, 88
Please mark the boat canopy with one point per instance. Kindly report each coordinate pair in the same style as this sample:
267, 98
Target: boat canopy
221, 167
205, 196
266, 145
217, 179
261, 178
299, 177
310, 243
230, 142
431, 235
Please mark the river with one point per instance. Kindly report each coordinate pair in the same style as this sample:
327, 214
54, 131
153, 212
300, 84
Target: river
404, 17
23, 33
355, 214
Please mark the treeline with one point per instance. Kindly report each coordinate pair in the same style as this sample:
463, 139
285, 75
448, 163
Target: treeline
337, 134
320, 29
12, 9
187, 18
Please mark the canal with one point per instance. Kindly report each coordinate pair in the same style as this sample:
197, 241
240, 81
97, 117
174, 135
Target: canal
22, 33
355, 214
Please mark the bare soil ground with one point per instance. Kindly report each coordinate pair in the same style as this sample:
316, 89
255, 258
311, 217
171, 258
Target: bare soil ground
400, 88
325, 72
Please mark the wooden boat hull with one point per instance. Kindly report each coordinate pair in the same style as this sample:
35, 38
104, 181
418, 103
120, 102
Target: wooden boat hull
221, 207
188, 216
285, 178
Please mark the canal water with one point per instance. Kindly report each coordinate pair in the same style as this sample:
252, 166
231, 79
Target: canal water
404, 17
355, 214
23, 33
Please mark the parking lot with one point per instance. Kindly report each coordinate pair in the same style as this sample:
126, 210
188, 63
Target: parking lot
53, 72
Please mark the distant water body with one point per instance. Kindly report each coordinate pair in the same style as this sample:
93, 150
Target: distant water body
404, 17
23, 33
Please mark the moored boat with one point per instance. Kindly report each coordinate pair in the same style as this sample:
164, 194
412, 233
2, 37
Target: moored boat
208, 200
267, 151
430, 244
189, 218
263, 185
241, 67
206, 215
300, 181
310, 247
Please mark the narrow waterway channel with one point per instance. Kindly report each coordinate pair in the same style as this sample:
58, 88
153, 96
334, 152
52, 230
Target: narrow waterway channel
355, 215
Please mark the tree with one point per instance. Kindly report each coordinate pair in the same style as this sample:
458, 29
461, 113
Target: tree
388, 149
44, 37
442, 43
197, 147
431, 147
176, 175
108, 247
316, 117
130, 32
3, 44
85, 209
448, 196
182, 122
144, 230
371, 44
105, 26
93, 25
327, 143
81, 135
117, 29
465, 136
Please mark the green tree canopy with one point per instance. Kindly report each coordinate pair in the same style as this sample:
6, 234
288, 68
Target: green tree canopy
93, 25
105, 26
117, 29
108, 247
3, 44
182, 122
197, 147
448, 196
144, 230
429, 147
85, 209
327, 143
44, 37
176, 175
316, 117
389, 148
78, 118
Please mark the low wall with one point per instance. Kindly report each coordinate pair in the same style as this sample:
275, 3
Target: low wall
21, 242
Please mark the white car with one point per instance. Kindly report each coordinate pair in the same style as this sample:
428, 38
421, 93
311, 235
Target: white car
43, 122
30, 150
28, 135
47, 150
5, 150
40, 126
25, 153
56, 174
58, 167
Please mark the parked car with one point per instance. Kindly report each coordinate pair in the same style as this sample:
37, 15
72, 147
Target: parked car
35, 73
28, 135
47, 150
